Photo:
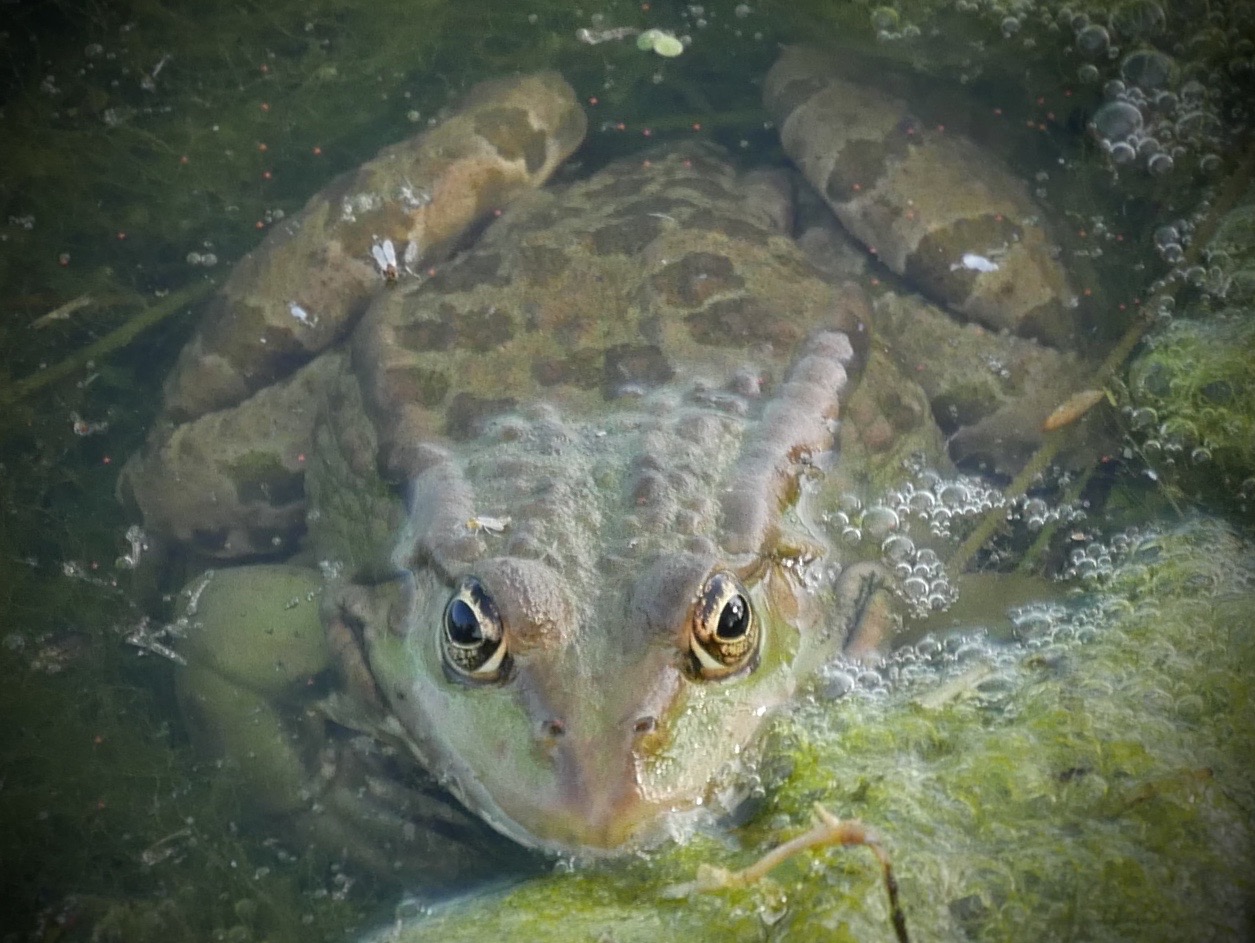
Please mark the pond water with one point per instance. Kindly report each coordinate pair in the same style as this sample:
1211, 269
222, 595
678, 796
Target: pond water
1060, 744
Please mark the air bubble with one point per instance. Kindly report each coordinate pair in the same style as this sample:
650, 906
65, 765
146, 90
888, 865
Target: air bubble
1088, 73
897, 547
884, 19
879, 521
1093, 41
1010, 26
1122, 152
1159, 164
1148, 68
1113, 89
1117, 120
1138, 19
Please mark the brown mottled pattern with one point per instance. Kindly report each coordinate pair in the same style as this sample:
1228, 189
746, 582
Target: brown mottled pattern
930, 203
509, 136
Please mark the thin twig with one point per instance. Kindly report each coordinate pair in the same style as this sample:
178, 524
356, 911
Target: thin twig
114, 340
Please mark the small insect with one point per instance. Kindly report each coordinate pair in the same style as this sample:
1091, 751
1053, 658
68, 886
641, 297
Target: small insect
493, 525
385, 256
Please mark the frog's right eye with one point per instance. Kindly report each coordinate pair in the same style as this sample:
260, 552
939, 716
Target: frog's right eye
473, 638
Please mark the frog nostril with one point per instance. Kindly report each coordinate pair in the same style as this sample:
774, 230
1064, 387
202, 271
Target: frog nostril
645, 725
553, 728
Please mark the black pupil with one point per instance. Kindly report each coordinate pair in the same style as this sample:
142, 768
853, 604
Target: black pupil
734, 620
463, 624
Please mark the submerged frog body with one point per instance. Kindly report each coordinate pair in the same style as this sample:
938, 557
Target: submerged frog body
560, 489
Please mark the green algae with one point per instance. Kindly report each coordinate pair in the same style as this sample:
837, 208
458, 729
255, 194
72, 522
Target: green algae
1093, 784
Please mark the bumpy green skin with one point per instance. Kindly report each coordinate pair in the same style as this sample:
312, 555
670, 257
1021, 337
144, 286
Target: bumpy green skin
611, 397
1097, 785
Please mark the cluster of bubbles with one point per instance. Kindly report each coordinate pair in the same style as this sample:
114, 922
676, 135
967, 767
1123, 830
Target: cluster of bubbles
1157, 112
206, 259
974, 666
937, 504
888, 26
1164, 443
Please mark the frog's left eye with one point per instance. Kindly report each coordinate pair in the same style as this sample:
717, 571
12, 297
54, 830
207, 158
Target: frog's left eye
724, 636
473, 638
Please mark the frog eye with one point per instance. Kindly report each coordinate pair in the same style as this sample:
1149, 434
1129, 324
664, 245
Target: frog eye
473, 639
724, 636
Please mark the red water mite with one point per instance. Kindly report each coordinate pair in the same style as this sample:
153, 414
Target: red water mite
267, 175
121, 235
259, 225
106, 460
185, 159
261, 146
647, 132
300, 459
592, 99
265, 106
316, 151
263, 69
697, 125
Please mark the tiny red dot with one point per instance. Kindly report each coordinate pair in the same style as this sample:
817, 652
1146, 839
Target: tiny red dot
317, 151
267, 175
1087, 292
106, 460
647, 163
259, 225
941, 127
1082, 233
1041, 100
263, 148
620, 126
645, 7
592, 99
263, 68
496, 212
856, 187
998, 112
300, 458
431, 272
647, 132
697, 125
687, 163
121, 235
184, 159
265, 106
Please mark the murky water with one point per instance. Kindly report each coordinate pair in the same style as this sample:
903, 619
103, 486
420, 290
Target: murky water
149, 146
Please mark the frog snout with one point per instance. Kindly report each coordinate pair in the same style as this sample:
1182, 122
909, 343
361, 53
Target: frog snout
597, 801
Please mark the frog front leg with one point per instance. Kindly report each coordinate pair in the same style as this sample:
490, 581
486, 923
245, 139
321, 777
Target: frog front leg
270, 690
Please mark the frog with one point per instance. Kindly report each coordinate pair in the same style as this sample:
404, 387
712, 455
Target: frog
511, 488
